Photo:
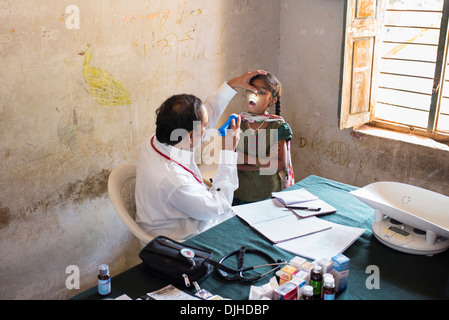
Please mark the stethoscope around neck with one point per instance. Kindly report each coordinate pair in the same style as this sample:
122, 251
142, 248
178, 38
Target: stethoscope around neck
172, 160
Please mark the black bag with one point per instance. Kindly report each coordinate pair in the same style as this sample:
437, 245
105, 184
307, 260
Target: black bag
182, 265
175, 261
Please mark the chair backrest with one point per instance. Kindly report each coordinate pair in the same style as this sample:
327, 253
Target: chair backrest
121, 189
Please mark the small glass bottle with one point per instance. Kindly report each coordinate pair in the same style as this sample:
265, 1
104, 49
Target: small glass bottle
316, 281
307, 293
329, 288
104, 280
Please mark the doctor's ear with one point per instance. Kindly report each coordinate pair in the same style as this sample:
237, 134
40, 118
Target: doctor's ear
190, 134
194, 138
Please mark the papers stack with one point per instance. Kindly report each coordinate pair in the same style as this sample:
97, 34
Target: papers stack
303, 198
277, 223
295, 230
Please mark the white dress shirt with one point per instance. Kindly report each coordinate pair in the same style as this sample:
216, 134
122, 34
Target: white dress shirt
169, 199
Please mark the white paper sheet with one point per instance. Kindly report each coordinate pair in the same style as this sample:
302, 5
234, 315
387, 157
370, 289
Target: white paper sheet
261, 211
277, 223
171, 293
292, 197
325, 244
290, 227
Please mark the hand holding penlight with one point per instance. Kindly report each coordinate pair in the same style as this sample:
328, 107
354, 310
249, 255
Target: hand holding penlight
223, 130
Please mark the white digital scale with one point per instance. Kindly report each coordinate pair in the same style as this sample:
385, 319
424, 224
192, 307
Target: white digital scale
408, 218
396, 235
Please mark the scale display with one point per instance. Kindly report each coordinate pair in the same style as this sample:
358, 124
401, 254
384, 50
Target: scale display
401, 237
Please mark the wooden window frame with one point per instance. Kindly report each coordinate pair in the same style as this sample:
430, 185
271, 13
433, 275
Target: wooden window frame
362, 36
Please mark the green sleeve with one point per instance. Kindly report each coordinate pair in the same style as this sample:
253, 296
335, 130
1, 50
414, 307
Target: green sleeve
285, 132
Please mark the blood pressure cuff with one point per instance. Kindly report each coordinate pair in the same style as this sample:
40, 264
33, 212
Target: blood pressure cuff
176, 262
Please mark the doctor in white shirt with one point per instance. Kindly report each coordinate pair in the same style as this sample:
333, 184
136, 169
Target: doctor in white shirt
171, 197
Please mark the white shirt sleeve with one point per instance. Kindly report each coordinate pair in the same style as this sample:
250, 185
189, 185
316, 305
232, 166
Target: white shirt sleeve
201, 203
217, 103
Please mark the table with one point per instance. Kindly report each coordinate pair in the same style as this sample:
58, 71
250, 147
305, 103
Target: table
401, 276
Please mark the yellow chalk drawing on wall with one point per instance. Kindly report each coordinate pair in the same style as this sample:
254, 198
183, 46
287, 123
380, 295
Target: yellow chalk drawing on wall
106, 89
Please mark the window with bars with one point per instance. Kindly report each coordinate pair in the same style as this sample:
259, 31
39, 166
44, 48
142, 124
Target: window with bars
394, 68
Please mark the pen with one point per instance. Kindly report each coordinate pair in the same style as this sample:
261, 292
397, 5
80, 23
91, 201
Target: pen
303, 208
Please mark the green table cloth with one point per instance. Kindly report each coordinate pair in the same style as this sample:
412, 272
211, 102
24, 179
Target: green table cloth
400, 275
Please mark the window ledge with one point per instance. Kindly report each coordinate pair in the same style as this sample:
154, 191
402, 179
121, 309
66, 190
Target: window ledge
373, 130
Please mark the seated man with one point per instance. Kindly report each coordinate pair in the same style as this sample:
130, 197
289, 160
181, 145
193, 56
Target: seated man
171, 198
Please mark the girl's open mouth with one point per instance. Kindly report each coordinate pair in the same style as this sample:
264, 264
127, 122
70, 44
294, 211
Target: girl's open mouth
252, 102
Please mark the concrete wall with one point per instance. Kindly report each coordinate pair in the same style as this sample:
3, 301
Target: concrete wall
59, 141
310, 65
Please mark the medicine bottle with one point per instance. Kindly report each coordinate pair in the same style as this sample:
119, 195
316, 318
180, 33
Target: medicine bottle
307, 293
104, 280
327, 275
329, 288
316, 281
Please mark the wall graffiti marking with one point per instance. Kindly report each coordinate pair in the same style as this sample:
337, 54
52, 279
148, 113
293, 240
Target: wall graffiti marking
106, 90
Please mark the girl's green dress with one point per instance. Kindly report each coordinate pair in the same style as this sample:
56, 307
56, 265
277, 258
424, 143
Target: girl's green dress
258, 185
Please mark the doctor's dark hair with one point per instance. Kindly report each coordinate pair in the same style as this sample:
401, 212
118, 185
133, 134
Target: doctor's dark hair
274, 86
177, 112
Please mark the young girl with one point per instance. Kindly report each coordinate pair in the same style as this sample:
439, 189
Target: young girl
264, 154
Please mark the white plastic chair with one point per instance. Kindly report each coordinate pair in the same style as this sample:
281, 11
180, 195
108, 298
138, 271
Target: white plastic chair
121, 188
